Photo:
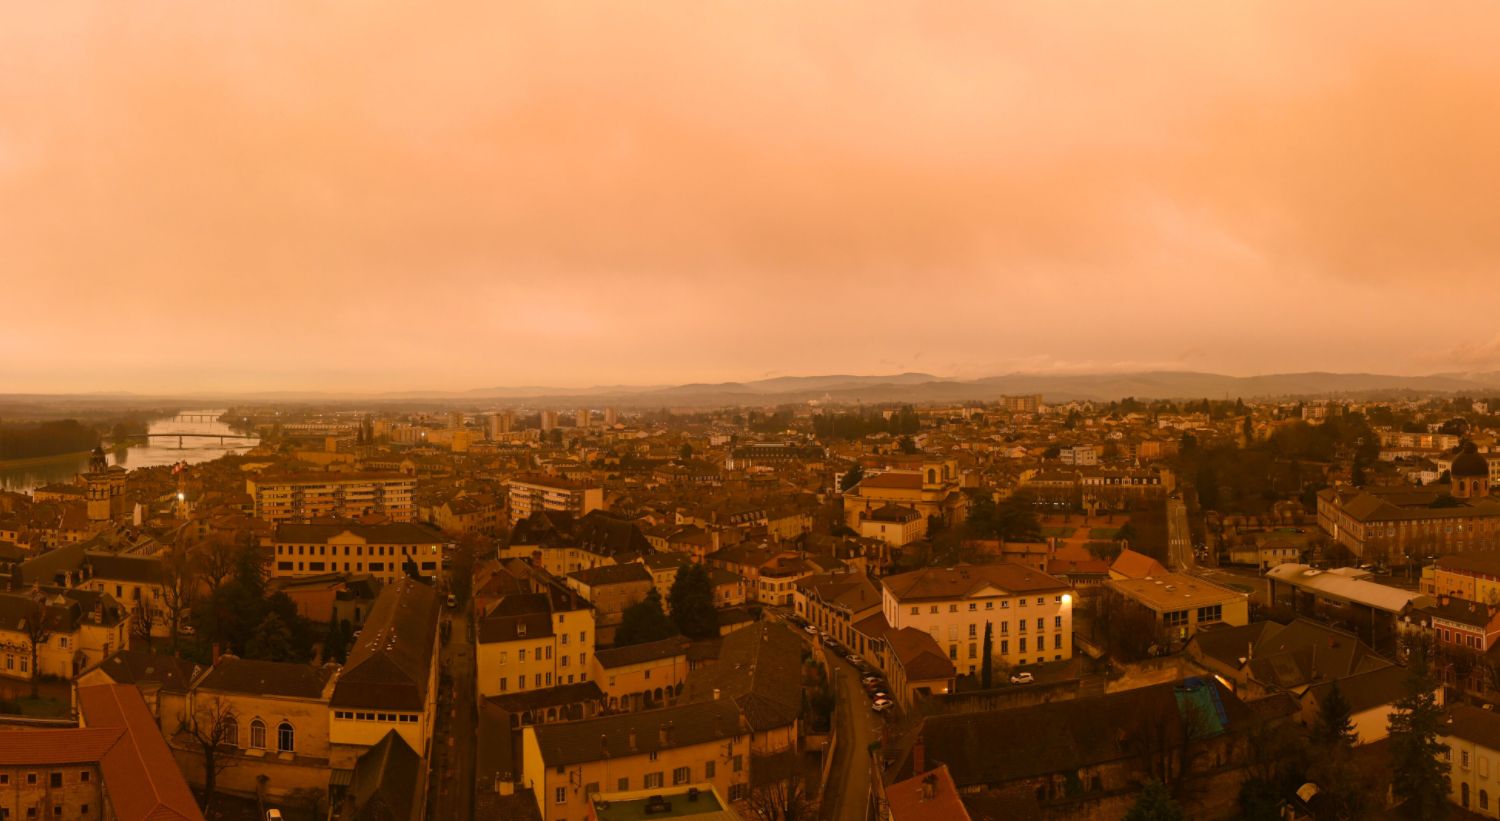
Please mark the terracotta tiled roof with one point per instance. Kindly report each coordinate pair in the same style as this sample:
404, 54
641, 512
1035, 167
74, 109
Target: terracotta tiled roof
143, 779
66, 746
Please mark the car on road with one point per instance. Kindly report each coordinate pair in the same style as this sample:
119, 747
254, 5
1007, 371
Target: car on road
452, 600
854, 658
813, 631
829, 642
882, 705
872, 681
273, 815
1022, 678
874, 686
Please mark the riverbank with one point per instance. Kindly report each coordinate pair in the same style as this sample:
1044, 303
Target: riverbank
43, 461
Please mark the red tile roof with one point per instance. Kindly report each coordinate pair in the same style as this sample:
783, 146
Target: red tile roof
143, 779
66, 746
909, 800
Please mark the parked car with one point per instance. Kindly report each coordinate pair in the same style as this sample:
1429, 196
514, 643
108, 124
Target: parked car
829, 642
1022, 678
879, 695
811, 630
869, 677
854, 659
452, 600
273, 815
882, 706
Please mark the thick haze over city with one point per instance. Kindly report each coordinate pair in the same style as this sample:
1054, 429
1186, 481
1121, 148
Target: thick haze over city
383, 196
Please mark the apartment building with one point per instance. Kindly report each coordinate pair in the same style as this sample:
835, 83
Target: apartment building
533, 493
566, 764
389, 682
532, 641
1031, 613
82, 628
1471, 740
274, 721
299, 497
381, 550
835, 602
114, 765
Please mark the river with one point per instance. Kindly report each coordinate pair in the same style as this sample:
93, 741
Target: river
162, 451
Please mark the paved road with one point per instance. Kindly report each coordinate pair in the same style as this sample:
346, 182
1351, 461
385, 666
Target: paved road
1179, 537
453, 763
857, 723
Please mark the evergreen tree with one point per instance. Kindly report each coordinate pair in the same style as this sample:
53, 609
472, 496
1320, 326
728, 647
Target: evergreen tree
987, 664
272, 642
1155, 804
1334, 726
692, 599
336, 642
685, 452
1419, 772
644, 621
851, 478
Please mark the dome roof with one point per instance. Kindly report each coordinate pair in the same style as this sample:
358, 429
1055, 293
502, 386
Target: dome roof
1469, 463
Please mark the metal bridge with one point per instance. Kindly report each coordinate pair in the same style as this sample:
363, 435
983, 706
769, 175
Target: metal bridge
189, 435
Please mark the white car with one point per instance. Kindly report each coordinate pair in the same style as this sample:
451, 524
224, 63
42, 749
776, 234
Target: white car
882, 706
1022, 678
812, 631
854, 659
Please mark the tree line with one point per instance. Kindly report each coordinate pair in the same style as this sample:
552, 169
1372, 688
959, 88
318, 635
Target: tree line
861, 423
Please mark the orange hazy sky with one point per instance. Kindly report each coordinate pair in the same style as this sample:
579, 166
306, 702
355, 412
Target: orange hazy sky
375, 196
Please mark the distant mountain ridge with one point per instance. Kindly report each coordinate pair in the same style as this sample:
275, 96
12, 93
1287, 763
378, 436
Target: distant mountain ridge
902, 387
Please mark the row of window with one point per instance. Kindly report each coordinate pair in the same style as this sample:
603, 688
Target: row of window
1041, 644
357, 567
652, 781
359, 550
57, 811
540, 680
54, 778
400, 718
989, 604
286, 737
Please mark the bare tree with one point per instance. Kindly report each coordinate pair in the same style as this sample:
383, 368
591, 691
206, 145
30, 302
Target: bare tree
38, 630
178, 583
778, 790
143, 621
213, 725
215, 559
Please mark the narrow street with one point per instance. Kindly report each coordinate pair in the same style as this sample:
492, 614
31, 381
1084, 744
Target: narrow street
857, 725
1179, 537
453, 744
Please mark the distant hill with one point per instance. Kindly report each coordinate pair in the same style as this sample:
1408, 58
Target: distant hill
904, 387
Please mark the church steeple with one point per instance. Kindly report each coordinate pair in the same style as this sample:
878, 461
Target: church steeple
98, 462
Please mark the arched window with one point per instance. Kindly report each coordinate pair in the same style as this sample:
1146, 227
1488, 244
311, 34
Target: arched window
286, 737
1484, 800
1464, 792
230, 737
258, 734
931, 476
